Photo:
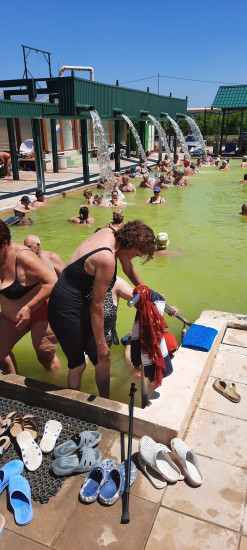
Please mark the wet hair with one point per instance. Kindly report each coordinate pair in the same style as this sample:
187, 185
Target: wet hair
87, 194
25, 199
244, 209
117, 218
245, 177
136, 234
5, 236
39, 194
83, 213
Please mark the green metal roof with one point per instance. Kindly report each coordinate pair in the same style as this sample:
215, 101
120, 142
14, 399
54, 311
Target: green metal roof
231, 97
27, 109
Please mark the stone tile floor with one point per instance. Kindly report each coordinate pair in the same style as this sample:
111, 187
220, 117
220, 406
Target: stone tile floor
177, 518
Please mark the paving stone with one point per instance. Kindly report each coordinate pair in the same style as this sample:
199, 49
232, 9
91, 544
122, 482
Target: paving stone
243, 543
12, 541
215, 402
95, 526
219, 500
219, 436
235, 337
48, 519
174, 531
231, 363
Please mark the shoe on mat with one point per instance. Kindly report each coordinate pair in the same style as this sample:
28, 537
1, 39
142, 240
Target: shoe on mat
96, 478
20, 499
51, 433
11, 468
158, 457
114, 486
187, 461
77, 442
228, 390
82, 461
31, 453
4, 444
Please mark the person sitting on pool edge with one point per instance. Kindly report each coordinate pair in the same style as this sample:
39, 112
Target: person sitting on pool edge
224, 165
244, 209
22, 208
83, 218
146, 182
156, 198
126, 186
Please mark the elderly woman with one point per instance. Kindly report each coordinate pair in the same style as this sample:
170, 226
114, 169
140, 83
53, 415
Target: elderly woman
25, 285
76, 306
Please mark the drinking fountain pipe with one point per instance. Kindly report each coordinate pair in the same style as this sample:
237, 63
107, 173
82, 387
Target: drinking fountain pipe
73, 68
117, 117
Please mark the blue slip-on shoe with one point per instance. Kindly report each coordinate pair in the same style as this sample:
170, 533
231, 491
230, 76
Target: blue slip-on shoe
20, 499
10, 469
94, 481
114, 486
82, 461
77, 442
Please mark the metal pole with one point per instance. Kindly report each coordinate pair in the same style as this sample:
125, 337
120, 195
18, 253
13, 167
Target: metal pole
128, 148
174, 147
84, 150
13, 148
241, 127
117, 144
49, 64
222, 130
158, 83
36, 132
25, 62
205, 124
142, 126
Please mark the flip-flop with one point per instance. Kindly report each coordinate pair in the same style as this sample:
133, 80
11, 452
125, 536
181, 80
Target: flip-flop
11, 468
21, 423
151, 474
78, 463
4, 443
228, 390
20, 499
114, 486
158, 456
187, 461
51, 433
97, 476
31, 453
77, 442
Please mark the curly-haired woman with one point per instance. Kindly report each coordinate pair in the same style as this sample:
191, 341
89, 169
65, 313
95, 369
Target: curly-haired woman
76, 306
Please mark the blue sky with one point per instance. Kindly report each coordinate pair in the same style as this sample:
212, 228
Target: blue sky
130, 40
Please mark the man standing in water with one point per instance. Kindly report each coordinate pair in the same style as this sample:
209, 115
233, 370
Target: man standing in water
51, 259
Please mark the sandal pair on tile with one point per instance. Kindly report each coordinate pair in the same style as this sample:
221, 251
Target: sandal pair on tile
106, 482
227, 389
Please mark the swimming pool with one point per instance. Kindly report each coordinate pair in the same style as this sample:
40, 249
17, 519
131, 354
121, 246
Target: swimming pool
209, 271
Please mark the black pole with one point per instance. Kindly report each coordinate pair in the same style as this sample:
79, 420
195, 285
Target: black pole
84, 150
13, 148
241, 127
205, 124
125, 512
53, 126
222, 130
128, 146
174, 147
49, 64
142, 126
117, 144
36, 132
25, 62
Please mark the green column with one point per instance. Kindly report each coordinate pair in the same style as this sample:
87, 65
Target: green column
222, 130
13, 148
53, 125
128, 147
117, 144
84, 150
36, 132
142, 126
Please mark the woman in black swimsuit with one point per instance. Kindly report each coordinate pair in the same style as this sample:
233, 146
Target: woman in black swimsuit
25, 285
76, 306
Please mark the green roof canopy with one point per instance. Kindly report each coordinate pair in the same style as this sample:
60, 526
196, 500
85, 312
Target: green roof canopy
231, 97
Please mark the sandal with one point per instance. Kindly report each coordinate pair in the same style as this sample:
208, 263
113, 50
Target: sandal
77, 442
21, 423
31, 453
96, 478
4, 444
187, 461
78, 463
158, 457
51, 433
228, 390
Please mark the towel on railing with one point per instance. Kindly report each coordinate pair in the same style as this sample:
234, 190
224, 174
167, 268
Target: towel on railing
149, 334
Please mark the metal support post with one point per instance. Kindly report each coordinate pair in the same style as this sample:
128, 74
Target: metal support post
241, 127
174, 147
222, 129
117, 144
128, 146
53, 124
36, 132
84, 150
142, 126
13, 148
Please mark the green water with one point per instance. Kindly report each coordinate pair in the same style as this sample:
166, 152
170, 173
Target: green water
204, 226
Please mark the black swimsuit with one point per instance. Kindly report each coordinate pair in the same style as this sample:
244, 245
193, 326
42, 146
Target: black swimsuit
69, 311
16, 290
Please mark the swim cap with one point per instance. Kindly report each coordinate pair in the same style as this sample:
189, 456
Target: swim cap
162, 240
156, 189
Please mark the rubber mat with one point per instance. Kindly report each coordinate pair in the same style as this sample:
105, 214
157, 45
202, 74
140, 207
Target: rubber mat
43, 482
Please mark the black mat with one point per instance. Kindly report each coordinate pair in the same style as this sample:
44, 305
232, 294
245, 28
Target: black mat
43, 483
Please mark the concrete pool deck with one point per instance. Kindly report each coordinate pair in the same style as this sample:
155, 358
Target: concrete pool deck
177, 518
